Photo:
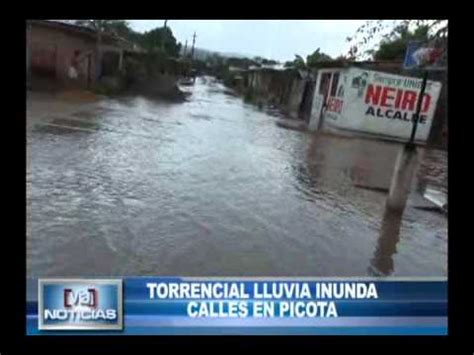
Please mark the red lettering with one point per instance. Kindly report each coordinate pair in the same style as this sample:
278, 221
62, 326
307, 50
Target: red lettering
398, 99
426, 102
334, 105
385, 97
373, 94
409, 100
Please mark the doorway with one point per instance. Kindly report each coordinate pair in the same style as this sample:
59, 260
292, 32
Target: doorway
307, 101
326, 87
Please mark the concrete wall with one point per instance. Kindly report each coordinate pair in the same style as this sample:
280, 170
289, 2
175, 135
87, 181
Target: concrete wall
52, 51
282, 88
295, 96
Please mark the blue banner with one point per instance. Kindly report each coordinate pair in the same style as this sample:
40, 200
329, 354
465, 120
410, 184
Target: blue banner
227, 306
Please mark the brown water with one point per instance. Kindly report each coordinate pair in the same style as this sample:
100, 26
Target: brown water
211, 187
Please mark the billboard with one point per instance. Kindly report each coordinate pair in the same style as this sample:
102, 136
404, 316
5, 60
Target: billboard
382, 104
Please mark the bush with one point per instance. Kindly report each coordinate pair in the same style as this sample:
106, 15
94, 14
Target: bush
249, 95
109, 85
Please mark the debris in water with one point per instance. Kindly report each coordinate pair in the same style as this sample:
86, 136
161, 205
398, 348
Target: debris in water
437, 197
291, 124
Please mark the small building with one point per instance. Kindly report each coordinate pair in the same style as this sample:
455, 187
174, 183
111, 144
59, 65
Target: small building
53, 47
287, 88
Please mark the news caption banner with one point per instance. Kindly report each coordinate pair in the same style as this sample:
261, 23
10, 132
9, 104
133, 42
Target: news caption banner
237, 306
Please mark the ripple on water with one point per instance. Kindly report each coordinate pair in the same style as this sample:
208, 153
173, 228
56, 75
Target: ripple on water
144, 187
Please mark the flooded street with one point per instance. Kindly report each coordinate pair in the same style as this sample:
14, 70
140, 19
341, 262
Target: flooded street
212, 187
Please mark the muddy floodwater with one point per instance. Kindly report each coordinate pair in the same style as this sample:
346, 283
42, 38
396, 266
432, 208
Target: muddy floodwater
213, 187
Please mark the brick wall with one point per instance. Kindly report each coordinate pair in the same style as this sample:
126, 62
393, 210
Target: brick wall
53, 49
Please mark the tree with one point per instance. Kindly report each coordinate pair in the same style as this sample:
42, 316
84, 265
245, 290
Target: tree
394, 49
341, 58
433, 32
269, 62
316, 57
297, 63
312, 60
119, 28
161, 39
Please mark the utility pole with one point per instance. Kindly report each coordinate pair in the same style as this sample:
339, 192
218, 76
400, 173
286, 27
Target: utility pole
163, 37
418, 107
192, 50
192, 56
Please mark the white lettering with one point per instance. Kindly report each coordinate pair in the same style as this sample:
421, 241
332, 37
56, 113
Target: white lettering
263, 309
299, 309
192, 306
217, 309
332, 312
78, 315
162, 291
152, 288
372, 292
345, 290
279, 290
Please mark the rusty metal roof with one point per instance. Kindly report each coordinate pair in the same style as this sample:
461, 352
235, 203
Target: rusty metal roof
85, 31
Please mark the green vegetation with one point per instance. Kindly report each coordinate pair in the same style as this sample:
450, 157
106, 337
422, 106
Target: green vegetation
394, 48
161, 51
316, 57
394, 38
159, 39
249, 95
311, 61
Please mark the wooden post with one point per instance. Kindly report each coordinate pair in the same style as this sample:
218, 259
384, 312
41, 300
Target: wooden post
192, 50
382, 262
402, 176
120, 66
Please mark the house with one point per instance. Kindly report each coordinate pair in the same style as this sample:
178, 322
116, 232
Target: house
287, 88
53, 47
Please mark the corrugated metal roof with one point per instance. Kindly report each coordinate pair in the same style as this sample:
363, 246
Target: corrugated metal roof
60, 24
87, 31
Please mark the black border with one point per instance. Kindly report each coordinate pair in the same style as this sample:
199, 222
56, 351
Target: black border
13, 291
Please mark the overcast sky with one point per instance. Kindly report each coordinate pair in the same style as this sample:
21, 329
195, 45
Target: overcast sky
272, 39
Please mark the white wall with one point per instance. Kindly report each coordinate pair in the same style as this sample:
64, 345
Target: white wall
354, 116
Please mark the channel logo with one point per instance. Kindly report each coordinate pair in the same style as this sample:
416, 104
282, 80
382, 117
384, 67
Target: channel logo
80, 304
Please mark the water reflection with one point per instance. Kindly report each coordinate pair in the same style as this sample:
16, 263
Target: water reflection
159, 187
382, 263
